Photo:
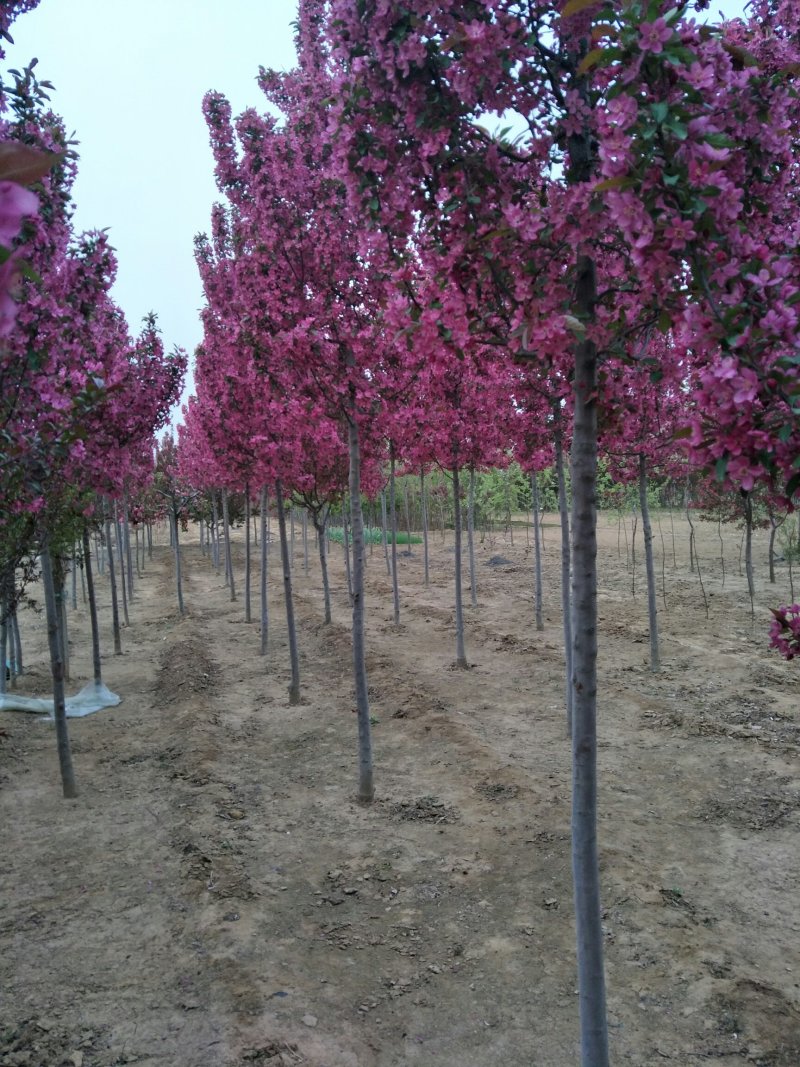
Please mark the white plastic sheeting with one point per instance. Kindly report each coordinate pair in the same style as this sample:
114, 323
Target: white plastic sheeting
91, 698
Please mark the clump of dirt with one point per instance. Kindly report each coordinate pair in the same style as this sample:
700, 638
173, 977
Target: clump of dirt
273, 1054
426, 809
749, 809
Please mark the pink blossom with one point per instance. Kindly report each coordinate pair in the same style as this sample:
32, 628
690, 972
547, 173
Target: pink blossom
15, 203
654, 35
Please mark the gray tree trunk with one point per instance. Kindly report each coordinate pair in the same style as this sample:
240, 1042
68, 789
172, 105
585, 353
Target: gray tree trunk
652, 592
393, 531
566, 566
385, 524
424, 510
215, 533
585, 861
320, 520
228, 556
87, 566
294, 687
126, 526
305, 542
461, 655
17, 643
537, 553
69, 787
176, 544
748, 548
264, 563
112, 577
366, 784
346, 547
473, 585
121, 558
247, 561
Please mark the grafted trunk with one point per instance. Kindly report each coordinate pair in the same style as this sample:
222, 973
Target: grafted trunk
461, 655
87, 566
652, 593
366, 785
537, 553
294, 687
585, 861
264, 563
69, 787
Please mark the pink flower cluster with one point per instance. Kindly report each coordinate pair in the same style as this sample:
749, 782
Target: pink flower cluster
784, 631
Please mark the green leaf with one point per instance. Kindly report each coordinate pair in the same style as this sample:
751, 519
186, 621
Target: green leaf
574, 7
660, 110
591, 59
721, 468
622, 181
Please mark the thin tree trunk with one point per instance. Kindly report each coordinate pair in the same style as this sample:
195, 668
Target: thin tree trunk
748, 549
215, 534
121, 558
320, 524
687, 502
507, 485
176, 544
264, 563
112, 577
393, 522
585, 862
461, 655
407, 511
537, 552
346, 547
652, 592
385, 521
5, 610
305, 542
473, 585
424, 510
87, 566
136, 551
247, 561
773, 524
566, 578
294, 688
73, 576
228, 556
150, 540
61, 602
57, 669
366, 784
127, 534
17, 643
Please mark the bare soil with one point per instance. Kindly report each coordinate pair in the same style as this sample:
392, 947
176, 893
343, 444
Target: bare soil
216, 897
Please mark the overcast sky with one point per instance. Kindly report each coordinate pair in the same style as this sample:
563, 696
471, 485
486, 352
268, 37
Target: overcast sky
129, 80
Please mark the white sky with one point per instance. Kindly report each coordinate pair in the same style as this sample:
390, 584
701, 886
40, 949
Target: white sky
129, 79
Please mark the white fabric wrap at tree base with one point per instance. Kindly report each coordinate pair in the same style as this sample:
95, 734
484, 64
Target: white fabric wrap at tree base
91, 698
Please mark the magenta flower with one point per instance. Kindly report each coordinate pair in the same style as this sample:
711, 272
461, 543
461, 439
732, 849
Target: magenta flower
654, 35
15, 203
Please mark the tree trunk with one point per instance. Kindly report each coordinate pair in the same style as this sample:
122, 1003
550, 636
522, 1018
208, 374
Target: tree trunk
87, 566
424, 509
176, 544
473, 585
228, 556
748, 549
537, 552
247, 561
366, 784
264, 503
112, 577
215, 533
652, 592
773, 529
294, 688
385, 522
17, 643
585, 862
127, 534
346, 547
121, 558
305, 542
566, 566
461, 655
393, 530
57, 669
320, 522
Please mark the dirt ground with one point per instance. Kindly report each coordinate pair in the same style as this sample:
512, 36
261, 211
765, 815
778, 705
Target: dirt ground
215, 897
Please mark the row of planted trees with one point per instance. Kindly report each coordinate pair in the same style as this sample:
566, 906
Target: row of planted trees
389, 285
80, 398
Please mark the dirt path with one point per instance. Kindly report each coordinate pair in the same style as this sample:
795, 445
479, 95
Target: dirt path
216, 897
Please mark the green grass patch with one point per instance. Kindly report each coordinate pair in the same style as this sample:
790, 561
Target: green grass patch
373, 536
